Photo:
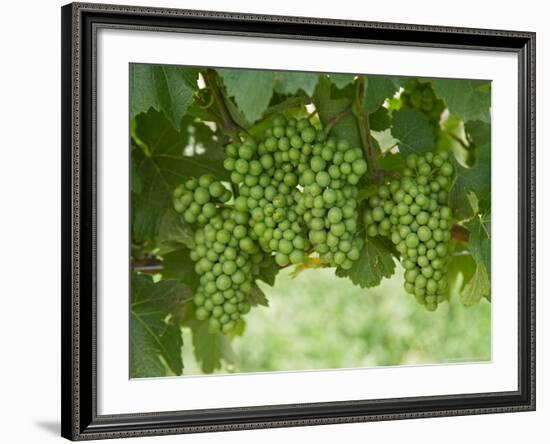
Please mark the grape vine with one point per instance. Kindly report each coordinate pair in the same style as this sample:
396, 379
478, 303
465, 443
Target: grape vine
232, 183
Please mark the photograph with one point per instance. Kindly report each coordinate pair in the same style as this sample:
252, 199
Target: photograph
286, 221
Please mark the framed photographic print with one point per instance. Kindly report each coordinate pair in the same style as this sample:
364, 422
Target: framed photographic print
280, 221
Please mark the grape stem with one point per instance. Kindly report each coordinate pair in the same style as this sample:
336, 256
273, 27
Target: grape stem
362, 118
226, 121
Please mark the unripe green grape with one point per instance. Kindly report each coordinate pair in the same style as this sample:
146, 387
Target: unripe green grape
308, 134
338, 229
423, 261
407, 219
201, 314
420, 282
322, 179
412, 240
317, 164
446, 169
424, 234
378, 214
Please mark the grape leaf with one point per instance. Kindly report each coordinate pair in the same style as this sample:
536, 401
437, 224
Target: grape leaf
477, 178
135, 184
478, 132
480, 241
341, 80
330, 102
168, 89
167, 159
145, 360
390, 162
210, 348
250, 89
380, 119
178, 265
151, 335
478, 287
268, 270
292, 82
413, 130
174, 233
378, 89
474, 201
257, 296
460, 265
469, 99
375, 263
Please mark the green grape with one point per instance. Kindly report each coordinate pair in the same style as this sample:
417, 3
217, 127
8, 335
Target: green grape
199, 199
307, 181
418, 223
224, 264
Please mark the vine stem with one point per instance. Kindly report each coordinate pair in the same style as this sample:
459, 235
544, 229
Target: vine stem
154, 266
362, 118
226, 121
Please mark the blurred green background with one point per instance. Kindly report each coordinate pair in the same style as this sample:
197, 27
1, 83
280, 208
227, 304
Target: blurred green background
320, 321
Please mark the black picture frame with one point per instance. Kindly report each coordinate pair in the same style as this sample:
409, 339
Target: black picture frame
80, 420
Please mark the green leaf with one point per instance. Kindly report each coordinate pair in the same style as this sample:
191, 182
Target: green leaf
210, 349
268, 271
152, 336
168, 89
478, 287
341, 80
174, 233
178, 265
460, 266
469, 99
257, 296
251, 90
376, 262
413, 130
390, 162
477, 178
380, 119
480, 241
170, 158
292, 82
330, 102
479, 133
145, 362
474, 202
379, 88
135, 185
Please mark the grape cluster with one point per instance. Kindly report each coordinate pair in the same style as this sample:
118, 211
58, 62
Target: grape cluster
198, 199
266, 173
295, 193
226, 260
300, 190
420, 95
328, 203
413, 213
